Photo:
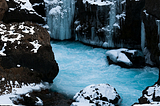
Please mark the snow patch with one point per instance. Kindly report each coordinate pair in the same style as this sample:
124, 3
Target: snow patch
39, 102
36, 46
3, 49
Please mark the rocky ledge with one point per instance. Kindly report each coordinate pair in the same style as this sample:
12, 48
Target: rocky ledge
126, 58
26, 59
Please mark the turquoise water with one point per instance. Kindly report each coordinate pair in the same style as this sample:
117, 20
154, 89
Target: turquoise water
82, 65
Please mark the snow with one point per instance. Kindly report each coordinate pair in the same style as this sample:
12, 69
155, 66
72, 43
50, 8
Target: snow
98, 2
18, 65
3, 49
36, 46
55, 11
39, 102
116, 55
95, 91
82, 104
116, 25
4, 38
26, 29
3, 79
151, 91
145, 11
25, 89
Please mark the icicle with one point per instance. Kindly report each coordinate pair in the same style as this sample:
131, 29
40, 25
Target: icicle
111, 23
92, 33
60, 15
142, 36
158, 24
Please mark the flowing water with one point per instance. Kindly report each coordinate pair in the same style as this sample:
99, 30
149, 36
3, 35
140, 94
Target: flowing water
82, 65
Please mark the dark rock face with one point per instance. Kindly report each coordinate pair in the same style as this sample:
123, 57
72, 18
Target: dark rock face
97, 24
26, 54
131, 31
151, 25
3, 8
29, 10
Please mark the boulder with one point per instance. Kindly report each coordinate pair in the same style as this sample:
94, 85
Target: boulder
97, 95
26, 55
26, 10
3, 8
125, 57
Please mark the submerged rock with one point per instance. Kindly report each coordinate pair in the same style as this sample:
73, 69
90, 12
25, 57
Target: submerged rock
97, 95
125, 57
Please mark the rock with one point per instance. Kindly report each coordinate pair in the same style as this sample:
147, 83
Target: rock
125, 57
43, 97
26, 55
131, 28
97, 95
3, 8
151, 95
28, 10
97, 22
152, 25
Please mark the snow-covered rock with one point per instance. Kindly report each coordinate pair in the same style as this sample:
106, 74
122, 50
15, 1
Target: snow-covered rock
25, 50
150, 94
26, 62
97, 95
25, 10
125, 57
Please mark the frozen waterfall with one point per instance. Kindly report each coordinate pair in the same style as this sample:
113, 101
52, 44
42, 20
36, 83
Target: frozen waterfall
142, 36
158, 24
59, 15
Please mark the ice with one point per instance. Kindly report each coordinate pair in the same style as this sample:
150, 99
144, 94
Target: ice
81, 66
142, 36
60, 16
